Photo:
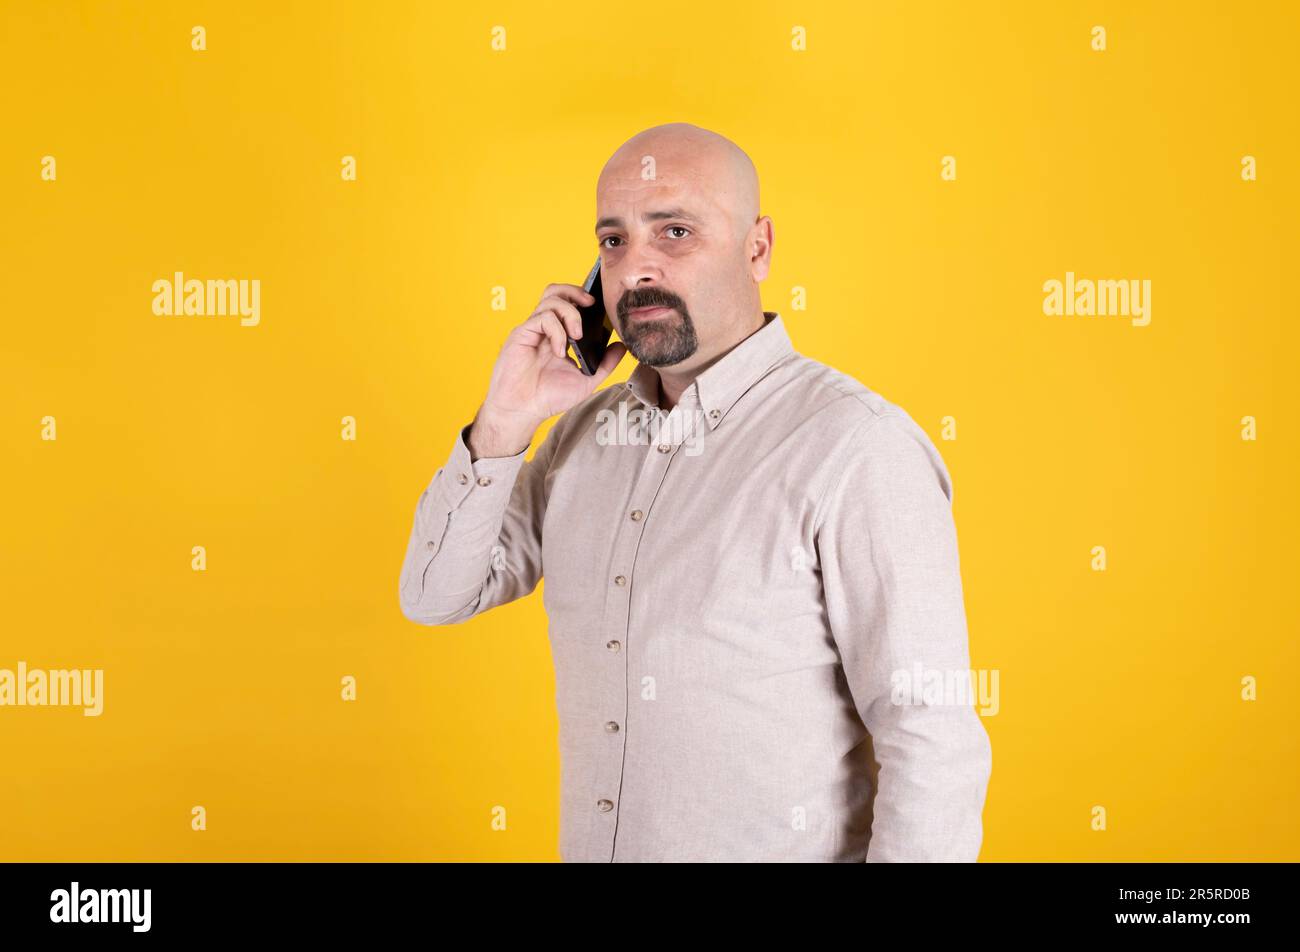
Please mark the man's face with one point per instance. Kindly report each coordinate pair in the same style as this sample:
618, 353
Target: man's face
665, 246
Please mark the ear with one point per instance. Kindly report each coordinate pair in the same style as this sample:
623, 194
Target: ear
759, 246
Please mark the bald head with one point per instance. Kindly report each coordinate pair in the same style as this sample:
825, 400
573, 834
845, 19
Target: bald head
686, 153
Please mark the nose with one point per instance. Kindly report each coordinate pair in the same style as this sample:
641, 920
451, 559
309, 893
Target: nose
639, 267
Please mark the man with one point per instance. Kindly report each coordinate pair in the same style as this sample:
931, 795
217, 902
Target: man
745, 551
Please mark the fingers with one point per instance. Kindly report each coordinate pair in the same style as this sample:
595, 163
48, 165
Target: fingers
569, 292
540, 329
563, 311
555, 333
556, 318
563, 299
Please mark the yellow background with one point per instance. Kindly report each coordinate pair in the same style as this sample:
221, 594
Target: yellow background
477, 169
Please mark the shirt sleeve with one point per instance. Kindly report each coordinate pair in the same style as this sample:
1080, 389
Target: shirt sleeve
887, 547
476, 539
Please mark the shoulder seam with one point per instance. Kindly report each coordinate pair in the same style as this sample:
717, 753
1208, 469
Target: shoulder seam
855, 394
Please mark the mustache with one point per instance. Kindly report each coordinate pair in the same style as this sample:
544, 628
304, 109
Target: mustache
648, 299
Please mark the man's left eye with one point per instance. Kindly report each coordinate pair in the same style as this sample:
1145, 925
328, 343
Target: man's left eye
680, 227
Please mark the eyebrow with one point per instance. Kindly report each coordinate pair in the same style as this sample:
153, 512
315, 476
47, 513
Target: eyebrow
677, 212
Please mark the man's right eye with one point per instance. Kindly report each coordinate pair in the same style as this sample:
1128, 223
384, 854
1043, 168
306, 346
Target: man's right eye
607, 238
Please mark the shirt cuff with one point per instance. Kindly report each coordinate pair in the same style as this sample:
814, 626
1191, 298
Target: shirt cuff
488, 478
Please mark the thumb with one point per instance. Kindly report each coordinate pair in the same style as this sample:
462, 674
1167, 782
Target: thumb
613, 354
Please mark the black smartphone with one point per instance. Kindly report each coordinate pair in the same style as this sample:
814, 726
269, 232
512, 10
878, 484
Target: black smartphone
596, 327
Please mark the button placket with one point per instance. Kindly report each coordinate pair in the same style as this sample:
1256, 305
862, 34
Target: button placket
616, 693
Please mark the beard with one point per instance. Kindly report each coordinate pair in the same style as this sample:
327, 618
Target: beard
662, 341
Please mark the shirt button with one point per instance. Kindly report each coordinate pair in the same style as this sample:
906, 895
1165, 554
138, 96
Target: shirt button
613, 645
620, 580
462, 479
714, 414
433, 545
611, 727
636, 515
485, 480
604, 806
664, 447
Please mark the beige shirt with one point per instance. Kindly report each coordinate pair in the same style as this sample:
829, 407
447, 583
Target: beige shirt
737, 592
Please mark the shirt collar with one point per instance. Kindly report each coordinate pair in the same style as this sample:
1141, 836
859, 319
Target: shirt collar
719, 387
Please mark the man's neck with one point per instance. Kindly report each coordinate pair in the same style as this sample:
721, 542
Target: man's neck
674, 382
